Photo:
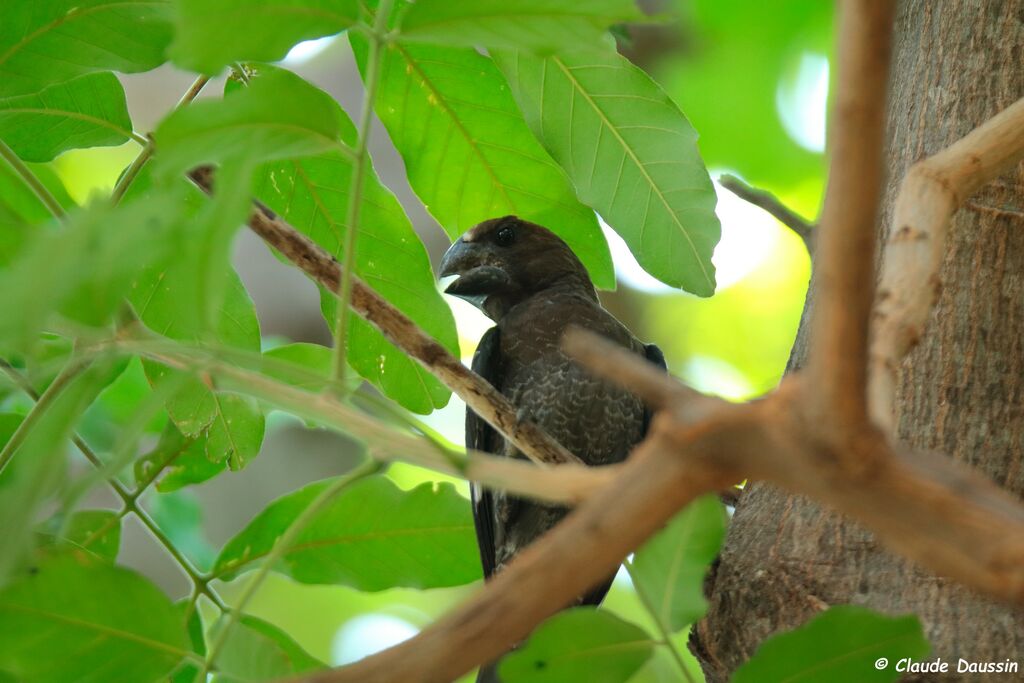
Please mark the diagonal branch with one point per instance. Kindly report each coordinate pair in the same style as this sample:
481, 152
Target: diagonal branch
837, 366
478, 394
931, 192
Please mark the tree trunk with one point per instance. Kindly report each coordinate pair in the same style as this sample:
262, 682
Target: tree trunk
961, 393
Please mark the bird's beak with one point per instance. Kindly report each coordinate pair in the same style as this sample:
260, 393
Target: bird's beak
476, 278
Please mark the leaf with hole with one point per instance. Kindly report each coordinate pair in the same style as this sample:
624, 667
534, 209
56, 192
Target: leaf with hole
630, 153
372, 536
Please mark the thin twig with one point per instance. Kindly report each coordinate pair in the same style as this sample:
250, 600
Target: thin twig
773, 205
33, 183
355, 194
931, 192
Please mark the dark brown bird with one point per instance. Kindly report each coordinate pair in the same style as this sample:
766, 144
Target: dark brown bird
529, 282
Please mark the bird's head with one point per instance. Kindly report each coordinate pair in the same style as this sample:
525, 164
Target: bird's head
503, 261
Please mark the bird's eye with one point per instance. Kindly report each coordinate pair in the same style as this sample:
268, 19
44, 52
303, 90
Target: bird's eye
505, 236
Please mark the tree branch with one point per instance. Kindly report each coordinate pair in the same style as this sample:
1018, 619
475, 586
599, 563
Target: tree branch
931, 193
768, 202
837, 366
478, 394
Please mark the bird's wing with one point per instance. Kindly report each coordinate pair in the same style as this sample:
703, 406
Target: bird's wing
654, 355
481, 436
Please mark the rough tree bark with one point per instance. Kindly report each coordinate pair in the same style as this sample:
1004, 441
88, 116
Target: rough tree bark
961, 391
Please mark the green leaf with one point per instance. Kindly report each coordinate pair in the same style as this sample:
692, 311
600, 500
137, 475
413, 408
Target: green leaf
21, 210
95, 531
312, 195
85, 268
629, 151
51, 41
88, 111
191, 466
186, 673
542, 25
279, 116
257, 650
468, 153
168, 451
76, 618
170, 298
202, 43
372, 537
180, 516
840, 645
302, 365
669, 569
581, 644
38, 466
236, 434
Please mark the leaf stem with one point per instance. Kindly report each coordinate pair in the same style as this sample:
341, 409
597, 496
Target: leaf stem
283, 544
372, 81
663, 629
33, 182
148, 148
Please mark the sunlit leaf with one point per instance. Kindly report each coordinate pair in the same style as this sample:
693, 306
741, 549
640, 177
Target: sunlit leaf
88, 111
581, 644
202, 43
279, 116
95, 531
313, 195
170, 298
50, 41
468, 153
669, 569
629, 152
373, 536
86, 267
257, 650
840, 645
544, 25
117, 624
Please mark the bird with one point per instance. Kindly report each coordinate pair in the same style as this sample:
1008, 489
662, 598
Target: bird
528, 281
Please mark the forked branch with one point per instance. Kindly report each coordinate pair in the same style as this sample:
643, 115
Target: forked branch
931, 193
